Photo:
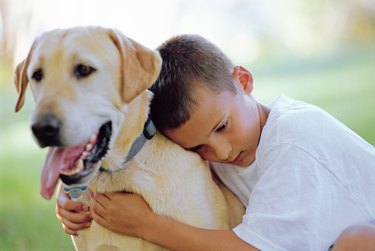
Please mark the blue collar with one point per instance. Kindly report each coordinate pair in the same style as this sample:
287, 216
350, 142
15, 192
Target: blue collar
149, 131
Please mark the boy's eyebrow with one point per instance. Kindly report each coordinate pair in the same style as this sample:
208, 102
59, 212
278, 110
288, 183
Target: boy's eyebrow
212, 130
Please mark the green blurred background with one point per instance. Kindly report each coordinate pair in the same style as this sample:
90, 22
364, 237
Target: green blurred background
319, 51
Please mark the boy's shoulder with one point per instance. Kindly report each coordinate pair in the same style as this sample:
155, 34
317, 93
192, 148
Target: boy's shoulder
284, 109
291, 120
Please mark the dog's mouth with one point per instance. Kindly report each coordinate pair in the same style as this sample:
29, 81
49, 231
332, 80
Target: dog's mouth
79, 169
77, 164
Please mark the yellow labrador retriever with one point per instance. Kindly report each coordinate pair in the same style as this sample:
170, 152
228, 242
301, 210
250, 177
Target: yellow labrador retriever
92, 111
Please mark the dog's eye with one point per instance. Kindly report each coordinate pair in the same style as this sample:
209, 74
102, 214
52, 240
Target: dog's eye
82, 71
37, 75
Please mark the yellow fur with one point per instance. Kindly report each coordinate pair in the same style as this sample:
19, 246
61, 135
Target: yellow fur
174, 182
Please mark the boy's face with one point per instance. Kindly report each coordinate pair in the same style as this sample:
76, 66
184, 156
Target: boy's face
224, 127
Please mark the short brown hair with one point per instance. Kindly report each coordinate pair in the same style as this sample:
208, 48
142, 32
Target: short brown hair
188, 61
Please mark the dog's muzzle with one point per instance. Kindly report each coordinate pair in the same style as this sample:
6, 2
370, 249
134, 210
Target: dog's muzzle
75, 165
46, 130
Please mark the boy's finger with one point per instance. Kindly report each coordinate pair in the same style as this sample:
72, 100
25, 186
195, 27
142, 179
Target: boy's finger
72, 228
69, 231
74, 217
65, 202
102, 198
99, 219
97, 207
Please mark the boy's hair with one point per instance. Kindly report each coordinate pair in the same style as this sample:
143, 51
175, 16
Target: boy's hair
188, 61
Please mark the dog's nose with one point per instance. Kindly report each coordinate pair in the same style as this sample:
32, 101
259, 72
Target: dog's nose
46, 130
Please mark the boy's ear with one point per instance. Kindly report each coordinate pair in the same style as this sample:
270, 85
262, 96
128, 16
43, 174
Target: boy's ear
244, 77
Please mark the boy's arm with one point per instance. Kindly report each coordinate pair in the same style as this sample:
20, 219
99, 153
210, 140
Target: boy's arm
129, 214
175, 235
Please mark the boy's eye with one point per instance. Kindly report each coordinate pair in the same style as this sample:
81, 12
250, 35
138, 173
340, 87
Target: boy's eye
222, 127
196, 148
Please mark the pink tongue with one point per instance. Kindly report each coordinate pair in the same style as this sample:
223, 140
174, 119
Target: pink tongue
58, 158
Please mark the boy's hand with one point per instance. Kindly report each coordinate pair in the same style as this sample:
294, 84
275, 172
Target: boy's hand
74, 216
121, 212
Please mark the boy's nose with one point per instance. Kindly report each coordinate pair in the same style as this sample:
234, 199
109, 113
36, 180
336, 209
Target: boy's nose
222, 150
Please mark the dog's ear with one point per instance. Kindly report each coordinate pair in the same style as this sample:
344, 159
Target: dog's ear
21, 80
140, 65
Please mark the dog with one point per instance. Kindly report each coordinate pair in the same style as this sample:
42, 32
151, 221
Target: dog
90, 85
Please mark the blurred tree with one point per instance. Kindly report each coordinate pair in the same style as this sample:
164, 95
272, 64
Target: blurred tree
363, 25
7, 42
15, 22
7, 34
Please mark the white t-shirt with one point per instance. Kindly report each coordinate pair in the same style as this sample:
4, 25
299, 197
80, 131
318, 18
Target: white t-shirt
312, 178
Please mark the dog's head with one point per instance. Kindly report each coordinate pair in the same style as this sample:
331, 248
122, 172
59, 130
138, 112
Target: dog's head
82, 80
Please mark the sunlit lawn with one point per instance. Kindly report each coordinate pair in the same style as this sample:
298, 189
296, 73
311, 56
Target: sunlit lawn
26, 221
343, 84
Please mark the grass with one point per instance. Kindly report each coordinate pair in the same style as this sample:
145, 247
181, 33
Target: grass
343, 84
27, 222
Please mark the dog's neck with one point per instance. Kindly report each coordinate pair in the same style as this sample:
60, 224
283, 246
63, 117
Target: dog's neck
136, 129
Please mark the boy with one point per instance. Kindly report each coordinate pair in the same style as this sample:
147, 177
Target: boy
303, 176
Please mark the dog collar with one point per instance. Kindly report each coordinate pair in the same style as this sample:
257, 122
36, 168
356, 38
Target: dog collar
149, 131
75, 191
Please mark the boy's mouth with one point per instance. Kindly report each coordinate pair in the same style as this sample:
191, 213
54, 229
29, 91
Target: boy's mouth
238, 159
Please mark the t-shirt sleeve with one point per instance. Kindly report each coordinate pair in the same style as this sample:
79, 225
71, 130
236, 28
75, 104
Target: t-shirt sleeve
290, 200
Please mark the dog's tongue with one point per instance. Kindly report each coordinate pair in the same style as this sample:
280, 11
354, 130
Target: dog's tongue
57, 159
51, 171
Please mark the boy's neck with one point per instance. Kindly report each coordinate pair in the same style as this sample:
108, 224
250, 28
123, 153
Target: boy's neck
264, 111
